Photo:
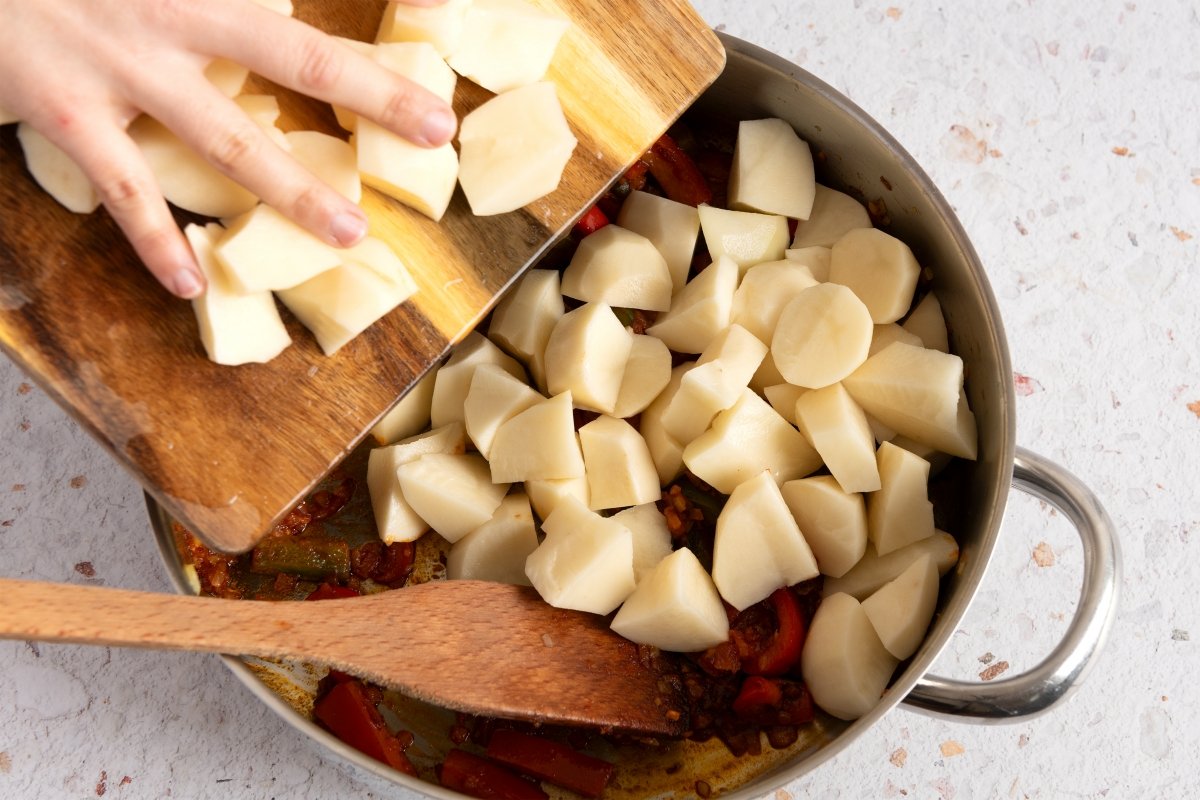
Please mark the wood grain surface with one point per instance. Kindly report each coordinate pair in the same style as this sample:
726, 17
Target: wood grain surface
526, 660
228, 450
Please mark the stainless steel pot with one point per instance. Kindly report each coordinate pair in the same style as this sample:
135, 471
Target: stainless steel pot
856, 154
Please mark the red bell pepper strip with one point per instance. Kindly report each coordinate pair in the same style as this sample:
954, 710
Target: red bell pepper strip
331, 591
551, 761
677, 173
592, 220
783, 650
756, 694
479, 777
350, 715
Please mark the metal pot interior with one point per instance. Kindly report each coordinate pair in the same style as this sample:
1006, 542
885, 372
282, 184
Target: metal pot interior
855, 155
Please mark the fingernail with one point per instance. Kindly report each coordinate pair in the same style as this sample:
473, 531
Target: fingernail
348, 228
438, 126
187, 284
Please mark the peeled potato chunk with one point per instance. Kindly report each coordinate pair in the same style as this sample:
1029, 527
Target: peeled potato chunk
666, 451
746, 237
837, 428
834, 214
585, 562
647, 373
496, 550
264, 250
783, 397
758, 546
676, 607
56, 173
844, 664
672, 228
422, 178
874, 570
900, 512
494, 398
545, 495
525, 316
507, 44
815, 258
440, 25
513, 149
454, 493
772, 170
651, 537
409, 416
902, 609
538, 444
341, 303
452, 380
586, 355
918, 393
700, 310
716, 382
745, 439
235, 328
620, 471
927, 323
621, 268
938, 460
822, 336
833, 521
330, 159
880, 269
765, 291
889, 332
394, 517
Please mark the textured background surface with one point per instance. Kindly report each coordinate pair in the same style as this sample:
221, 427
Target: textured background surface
1068, 142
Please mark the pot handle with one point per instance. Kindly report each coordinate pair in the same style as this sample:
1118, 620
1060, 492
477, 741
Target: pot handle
1056, 677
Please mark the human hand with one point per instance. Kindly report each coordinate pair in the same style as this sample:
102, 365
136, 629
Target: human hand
79, 71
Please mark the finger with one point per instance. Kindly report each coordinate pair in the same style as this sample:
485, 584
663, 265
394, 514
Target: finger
305, 59
127, 188
216, 128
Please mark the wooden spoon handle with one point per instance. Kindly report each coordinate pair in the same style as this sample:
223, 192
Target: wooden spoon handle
54, 612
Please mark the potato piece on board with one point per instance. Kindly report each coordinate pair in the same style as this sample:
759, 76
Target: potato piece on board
880, 269
834, 214
837, 429
330, 159
676, 607
918, 393
671, 226
395, 519
513, 149
746, 439
263, 250
496, 550
758, 547
746, 237
585, 562
440, 25
586, 355
902, 609
538, 444
822, 336
506, 44
700, 310
834, 522
844, 664
56, 173
621, 268
620, 470
772, 170
900, 512
235, 328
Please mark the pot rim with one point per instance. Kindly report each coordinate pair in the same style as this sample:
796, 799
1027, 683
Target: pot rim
741, 51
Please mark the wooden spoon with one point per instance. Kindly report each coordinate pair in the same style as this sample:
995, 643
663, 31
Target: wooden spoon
482, 648
89, 324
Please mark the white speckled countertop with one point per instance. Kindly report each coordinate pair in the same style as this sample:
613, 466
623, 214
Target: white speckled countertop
1068, 140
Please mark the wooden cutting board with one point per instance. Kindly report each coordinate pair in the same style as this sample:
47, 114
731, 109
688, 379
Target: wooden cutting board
229, 450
